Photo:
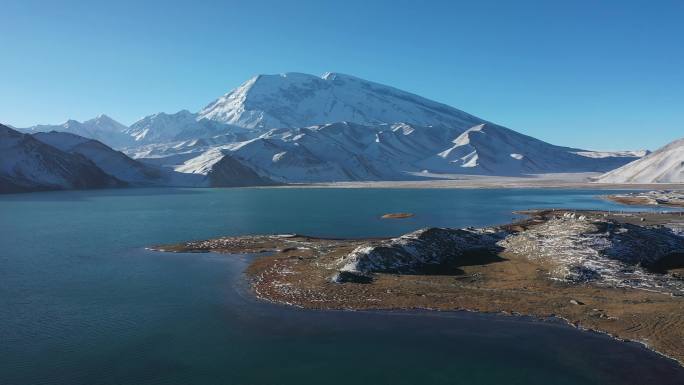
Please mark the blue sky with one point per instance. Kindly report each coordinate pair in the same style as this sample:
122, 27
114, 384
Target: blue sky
593, 74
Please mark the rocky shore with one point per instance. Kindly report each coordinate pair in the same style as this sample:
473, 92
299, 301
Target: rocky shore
651, 198
622, 274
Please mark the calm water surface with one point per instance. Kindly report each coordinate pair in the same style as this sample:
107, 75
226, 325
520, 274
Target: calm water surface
82, 301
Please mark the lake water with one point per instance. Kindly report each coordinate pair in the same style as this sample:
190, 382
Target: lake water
82, 301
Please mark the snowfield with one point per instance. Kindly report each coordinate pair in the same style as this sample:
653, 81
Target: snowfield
293, 100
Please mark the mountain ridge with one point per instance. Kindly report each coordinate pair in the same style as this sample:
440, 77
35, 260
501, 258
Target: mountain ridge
27, 164
665, 165
112, 162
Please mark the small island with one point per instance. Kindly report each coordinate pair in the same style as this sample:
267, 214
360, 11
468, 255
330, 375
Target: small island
397, 215
621, 274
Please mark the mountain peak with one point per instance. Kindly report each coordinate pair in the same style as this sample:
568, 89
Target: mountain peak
103, 119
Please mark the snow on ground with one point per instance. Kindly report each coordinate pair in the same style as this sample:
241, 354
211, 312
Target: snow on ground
605, 253
666, 165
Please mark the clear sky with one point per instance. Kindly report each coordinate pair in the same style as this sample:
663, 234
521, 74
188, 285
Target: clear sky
593, 74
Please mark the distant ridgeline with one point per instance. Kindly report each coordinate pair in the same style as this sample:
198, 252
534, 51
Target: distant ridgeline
299, 128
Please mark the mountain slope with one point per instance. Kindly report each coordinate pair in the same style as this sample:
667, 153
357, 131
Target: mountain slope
110, 161
339, 152
293, 100
665, 165
222, 170
27, 164
183, 125
102, 128
351, 152
489, 149
337, 127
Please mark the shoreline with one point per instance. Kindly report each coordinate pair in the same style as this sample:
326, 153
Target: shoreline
474, 185
463, 181
549, 319
468, 182
658, 198
296, 271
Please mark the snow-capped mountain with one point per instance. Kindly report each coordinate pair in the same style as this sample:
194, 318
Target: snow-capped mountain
489, 149
296, 127
665, 165
183, 125
290, 100
27, 164
162, 127
102, 128
110, 161
293, 100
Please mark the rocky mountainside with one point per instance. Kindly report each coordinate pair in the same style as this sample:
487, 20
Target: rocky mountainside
27, 164
110, 161
665, 165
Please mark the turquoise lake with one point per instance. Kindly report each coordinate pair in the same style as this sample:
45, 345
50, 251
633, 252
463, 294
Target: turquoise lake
83, 302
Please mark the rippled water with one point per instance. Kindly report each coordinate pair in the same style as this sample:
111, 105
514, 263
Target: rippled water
82, 301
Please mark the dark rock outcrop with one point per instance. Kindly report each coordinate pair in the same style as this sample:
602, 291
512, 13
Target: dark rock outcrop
430, 250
